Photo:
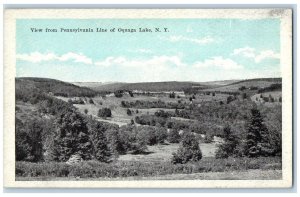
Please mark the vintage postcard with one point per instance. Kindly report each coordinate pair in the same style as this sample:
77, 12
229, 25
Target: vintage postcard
148, 98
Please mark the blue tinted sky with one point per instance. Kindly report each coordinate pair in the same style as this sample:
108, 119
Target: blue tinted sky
191, 50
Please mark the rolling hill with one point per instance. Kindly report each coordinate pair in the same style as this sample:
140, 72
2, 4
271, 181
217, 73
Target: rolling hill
58, 88
223, 85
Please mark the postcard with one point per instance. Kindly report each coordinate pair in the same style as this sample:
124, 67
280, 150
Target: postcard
148, 98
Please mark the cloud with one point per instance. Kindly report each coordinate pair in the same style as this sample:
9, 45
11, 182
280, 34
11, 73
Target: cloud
80, 58
201, 41
258, 57
245, 52
36, 57
155, 61
220, 62
268, 54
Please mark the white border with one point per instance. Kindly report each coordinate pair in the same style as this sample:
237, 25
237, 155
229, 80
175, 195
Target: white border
9, 92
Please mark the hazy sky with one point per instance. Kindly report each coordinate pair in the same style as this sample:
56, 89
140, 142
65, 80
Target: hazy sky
191, 50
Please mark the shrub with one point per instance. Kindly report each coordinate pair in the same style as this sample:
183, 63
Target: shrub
86, 111
91, 101
104, 112
189, 150
173, 136
129, 113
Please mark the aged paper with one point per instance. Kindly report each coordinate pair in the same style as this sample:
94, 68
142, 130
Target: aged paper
204, 51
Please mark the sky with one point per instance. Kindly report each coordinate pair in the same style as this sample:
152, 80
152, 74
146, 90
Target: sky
189, 50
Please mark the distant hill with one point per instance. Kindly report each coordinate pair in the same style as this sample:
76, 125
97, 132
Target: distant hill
259, 82
101, 87
144, 86
58, 88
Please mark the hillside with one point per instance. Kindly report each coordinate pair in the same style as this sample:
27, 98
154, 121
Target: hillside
259, 83
225, 85
144, 86
56, 87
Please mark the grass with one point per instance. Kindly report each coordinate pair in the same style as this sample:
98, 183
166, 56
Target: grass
163, 152
119, 169
234, 175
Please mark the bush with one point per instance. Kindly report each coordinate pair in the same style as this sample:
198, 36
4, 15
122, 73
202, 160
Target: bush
104, 113
173, 136
91, 101
129, 113
189, 150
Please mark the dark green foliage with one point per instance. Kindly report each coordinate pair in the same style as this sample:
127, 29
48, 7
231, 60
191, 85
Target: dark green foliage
129, 113
101, 150
151, 104
242, 88
115, 143
104, 112
230, 99
161, 134
71, 137
130, 93
91, 101
188, 150
173, 136
132, 140
172, 95
258, 137
208, 138
227, 148
272, 87
78, 101
29, 145
55, 87
118, 94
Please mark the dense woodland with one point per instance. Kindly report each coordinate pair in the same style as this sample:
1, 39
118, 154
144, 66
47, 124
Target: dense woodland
58, 130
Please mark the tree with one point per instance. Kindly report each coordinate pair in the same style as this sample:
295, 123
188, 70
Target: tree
257, 136
104, 112
118, 94
230, 142
86, 111
242, 88
99, 141
71, 137
189, 150
244, 95
230, 99
91, 101
129, 113
29, 145
130, 93
172, 95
